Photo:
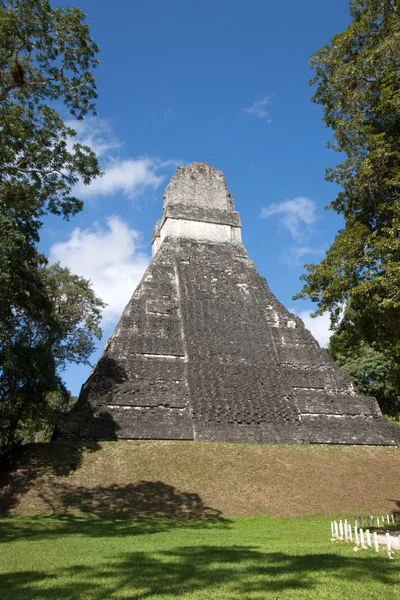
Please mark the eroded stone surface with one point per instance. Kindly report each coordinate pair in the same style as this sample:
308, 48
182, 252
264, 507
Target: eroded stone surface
205, 351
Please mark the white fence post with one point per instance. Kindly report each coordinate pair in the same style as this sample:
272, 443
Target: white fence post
368, 537
356, 535
388, 548
376, 541
362, 538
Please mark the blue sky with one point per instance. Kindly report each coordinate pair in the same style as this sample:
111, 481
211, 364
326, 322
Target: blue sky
222, 82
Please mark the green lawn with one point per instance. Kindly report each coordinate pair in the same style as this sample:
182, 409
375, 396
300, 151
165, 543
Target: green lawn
252, 558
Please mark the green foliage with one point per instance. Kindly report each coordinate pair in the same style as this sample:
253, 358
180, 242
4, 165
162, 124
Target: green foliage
48, 317
374, 373
358, 85
46, 56
53, 325
40, 427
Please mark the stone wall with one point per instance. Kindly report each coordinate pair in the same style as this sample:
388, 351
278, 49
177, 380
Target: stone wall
205, 351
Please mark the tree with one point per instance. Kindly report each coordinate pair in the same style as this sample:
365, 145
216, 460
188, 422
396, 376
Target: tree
48, 317
54, 324
46, 57
358, 84
40, 428
373, 373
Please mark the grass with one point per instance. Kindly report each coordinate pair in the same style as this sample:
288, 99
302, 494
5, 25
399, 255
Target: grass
251, 558
144, 520
137, 479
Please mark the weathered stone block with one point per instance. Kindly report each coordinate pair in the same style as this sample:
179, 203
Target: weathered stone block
205, 351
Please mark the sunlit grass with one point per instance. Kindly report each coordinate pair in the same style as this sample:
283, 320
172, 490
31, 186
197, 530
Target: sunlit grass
252, 558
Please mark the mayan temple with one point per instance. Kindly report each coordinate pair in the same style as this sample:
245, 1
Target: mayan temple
204, 351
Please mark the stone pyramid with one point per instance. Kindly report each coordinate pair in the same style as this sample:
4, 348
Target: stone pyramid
204, 350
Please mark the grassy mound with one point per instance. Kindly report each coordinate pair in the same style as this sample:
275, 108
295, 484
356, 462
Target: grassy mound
140, 479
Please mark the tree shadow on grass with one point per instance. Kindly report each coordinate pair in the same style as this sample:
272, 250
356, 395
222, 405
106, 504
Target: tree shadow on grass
115, 510
46, 528
241, 572
140, 500
33, 461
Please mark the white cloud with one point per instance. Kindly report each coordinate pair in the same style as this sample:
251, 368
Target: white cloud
297, 215
259, 110
95, 133
294, 255
110, 257
319, 326
130, 177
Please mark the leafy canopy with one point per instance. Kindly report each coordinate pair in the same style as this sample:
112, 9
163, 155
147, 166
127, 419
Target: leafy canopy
53, 324
46, 62
357, 78
48, 316
373, 372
